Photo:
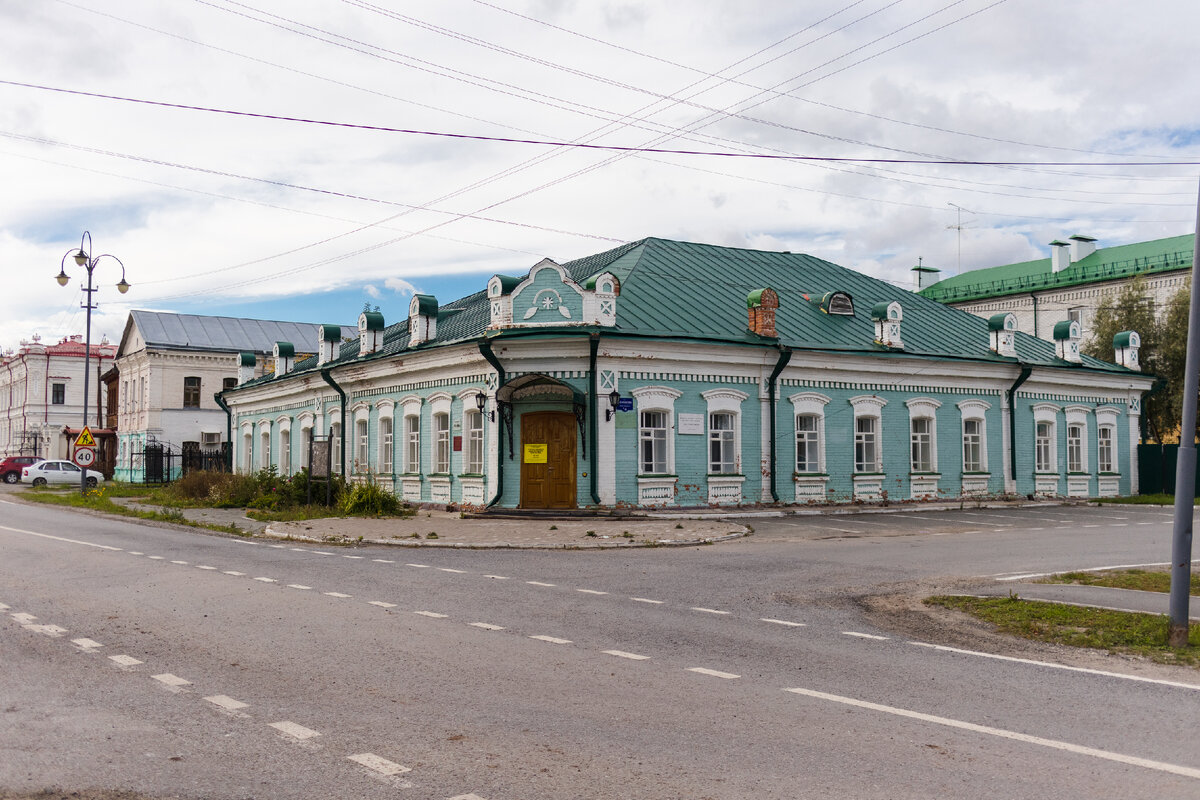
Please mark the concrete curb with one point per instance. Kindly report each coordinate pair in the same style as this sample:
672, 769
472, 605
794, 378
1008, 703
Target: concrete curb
460, 545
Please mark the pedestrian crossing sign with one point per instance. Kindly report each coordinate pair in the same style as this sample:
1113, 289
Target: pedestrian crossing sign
85, 438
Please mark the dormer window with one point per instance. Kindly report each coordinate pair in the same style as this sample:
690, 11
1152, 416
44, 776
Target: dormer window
838, 304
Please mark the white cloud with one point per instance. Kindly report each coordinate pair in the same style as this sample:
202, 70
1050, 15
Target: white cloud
400, 286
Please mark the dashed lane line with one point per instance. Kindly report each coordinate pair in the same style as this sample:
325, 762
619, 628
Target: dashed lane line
713, 673
300, 586
335, 594
86, 645
785, 622
709, 610
431, 614
623, 654
539, 583
233, 572
204, 567
496, 577
454, 571
180, 563
1051, 665
3, 607
267, 580
865, 636
355, 558
294, 731
226, 702
167, 679
23, 618
418, 566
590, 591
647, 600
125, 661
383, 561
53, 631
156, 558
379, 764
550, 639
487, 626
1106, 755
381, 604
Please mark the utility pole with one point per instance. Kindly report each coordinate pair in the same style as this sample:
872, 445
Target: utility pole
1185, 470
959, 228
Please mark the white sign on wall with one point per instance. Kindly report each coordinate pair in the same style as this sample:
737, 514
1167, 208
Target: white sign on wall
691, 423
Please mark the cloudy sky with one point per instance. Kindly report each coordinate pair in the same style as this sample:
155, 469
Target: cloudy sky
215, 207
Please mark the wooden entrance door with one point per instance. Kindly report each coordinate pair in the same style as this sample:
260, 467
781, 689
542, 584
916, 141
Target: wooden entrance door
548, 484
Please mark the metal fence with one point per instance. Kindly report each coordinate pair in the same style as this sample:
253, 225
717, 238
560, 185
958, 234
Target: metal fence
1156, 469
159, 463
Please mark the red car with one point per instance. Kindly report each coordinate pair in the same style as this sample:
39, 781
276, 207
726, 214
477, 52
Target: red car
10, 468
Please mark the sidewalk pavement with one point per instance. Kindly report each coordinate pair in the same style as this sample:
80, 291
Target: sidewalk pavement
1092, 596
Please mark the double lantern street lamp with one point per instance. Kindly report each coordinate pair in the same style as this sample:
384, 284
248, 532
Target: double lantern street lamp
614, 400
83, 259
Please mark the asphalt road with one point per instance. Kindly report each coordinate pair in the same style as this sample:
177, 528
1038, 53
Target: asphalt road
172, 663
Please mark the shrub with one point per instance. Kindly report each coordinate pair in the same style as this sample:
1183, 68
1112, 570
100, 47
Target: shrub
368, 499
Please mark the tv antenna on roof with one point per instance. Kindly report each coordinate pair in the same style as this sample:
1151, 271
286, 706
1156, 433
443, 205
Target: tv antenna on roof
959, 227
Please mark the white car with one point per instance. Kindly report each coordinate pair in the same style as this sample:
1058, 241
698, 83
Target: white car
45, 472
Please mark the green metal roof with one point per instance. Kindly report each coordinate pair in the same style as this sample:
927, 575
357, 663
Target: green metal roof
680, 290
1105, 264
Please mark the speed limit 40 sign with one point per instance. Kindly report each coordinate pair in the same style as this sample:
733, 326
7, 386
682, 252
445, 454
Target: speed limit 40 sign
84, 456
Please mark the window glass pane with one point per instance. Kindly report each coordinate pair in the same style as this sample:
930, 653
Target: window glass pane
653, 436
865, 452
922, 444
441, 455
972, 446
807, 444
1043, 461
474, 465
722, 443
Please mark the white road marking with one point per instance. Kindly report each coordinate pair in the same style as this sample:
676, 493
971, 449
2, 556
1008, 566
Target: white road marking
267, 580
1121, 675
171, 680
4, 607
539, 583
46, 630
783, 622
200, 567
181, 563
551, 639
125, 661
293, 730
156, 558
298, 586
86, 644
646, 600
278, 546
486, 626
24, 619
1120, 758
354, 557
455, 571
1088, 569
590, 591
297, 549
466, 797
383, 561
623, 654
336, 594
418, 566
136, 553
381, 604
378, 764
865, 636
708, 610
714, 673
60, 538
226, 702
432, 614
496, 577
320, 553
233, 572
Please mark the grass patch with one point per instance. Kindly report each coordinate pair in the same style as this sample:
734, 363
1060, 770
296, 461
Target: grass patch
100, 500
1119, 632
1140, 579
294, 514
1159, 499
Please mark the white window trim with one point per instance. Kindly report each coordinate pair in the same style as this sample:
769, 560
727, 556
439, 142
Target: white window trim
811, 404
441, 403
1108, 417
1078, 415
337, 443
975, 410
657, 398
1046, 412
264, 453
869, 405
467, 396
924, 408
725, 401
385, 410
410, 406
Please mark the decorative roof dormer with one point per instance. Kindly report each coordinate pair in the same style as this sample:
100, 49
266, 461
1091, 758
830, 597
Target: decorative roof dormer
1125, 349
1066, 341
838, 304
329, 347
887, 318
761, 305
548, 296
285, 358
422, 319
1002, 333
370, 332
499, 294
246, 363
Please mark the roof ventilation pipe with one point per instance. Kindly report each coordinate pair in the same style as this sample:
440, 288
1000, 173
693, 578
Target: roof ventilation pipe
1060, 256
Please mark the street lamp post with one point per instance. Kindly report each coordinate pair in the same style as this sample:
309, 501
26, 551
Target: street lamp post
83, 259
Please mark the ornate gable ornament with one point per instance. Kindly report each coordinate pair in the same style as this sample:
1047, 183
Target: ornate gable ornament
548, 297
1002, 331
1125, 349
1066, 341
887, 318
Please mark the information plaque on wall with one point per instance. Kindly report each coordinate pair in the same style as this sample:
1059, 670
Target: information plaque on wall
690, 423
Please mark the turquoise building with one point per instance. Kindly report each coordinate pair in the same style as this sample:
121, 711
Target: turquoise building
671, 374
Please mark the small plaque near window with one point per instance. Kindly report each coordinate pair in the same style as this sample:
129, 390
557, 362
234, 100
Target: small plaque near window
691, 423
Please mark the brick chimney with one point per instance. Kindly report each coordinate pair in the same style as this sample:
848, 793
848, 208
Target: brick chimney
761, 304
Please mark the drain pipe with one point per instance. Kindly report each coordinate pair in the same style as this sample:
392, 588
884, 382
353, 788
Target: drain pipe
785, 355
1026, 371
485, 350
593, 419
329, 379
228, 428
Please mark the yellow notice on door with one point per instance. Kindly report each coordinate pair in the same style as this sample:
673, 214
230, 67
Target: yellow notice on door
536, 453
